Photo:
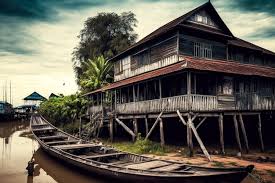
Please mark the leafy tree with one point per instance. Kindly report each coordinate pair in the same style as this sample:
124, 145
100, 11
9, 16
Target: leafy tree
106, 34
97, 73
66, 109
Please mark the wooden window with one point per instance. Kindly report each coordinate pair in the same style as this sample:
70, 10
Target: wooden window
140, 59
118, 67
202, 50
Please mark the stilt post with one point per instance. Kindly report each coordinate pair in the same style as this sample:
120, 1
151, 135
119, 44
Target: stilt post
111, 123
260, 132
162, 141
221, 133
189, 131
135, 128
237, 133
244, 132
146, 125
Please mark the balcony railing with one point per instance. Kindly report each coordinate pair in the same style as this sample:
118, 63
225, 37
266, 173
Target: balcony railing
95, 109
170, 104
255, 101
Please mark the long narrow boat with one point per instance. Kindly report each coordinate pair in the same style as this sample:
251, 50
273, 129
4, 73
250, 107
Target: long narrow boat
110, 163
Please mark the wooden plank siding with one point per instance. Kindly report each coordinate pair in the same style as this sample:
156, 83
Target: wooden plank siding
154, 57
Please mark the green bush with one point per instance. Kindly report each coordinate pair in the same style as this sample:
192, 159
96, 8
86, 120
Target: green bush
63, 109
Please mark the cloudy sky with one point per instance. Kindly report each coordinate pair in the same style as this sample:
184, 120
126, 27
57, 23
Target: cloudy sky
37, 37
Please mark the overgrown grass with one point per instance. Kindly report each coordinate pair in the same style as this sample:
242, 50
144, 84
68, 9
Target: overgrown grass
142, 146
218, 164
233, 163
271, 173
71, 128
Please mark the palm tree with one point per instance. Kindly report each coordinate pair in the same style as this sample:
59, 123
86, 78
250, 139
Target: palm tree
97, 73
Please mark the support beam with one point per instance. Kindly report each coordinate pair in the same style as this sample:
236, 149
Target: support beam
111, 123
260, 132
146, 125
181, 118
192, 127
162, 141
201, 122
135, 125
154, 125
221, 133
244, 132
237, 133
126, 128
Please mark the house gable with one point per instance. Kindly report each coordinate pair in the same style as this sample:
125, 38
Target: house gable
206, 18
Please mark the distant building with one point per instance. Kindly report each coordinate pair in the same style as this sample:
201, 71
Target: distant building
34, 99
52, 95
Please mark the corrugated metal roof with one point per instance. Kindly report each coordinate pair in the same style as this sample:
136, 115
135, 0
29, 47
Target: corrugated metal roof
231, 67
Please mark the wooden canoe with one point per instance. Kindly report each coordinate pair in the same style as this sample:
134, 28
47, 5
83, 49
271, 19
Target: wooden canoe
110, 163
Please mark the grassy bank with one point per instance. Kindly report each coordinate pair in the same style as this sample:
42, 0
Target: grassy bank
142, 146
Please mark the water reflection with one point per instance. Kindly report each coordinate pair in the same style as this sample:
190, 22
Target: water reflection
17, 150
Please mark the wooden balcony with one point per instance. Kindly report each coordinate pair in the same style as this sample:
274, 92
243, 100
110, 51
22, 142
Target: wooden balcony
255, 101
170, 104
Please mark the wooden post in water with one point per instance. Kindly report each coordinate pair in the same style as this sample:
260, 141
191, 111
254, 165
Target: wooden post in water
221, 133
237, 132
162, 141
260, 132
244, 132
111, 123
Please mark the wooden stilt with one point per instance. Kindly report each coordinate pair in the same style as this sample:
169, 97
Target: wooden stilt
191, 149
126, 128
193, 129
237, 133
221, 133
244, 132
154, 125
162, 141
260, 132
80, 126
111, 122
135, 127
146, 126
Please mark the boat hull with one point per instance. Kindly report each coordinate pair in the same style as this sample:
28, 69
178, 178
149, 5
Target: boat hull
234, 177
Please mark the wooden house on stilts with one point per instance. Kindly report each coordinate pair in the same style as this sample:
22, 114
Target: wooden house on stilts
192, 68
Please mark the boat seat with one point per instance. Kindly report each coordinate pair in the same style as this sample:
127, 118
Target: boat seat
75, 146
169, 167
44, 129
148, 165
53, 137
102, 155
61, 142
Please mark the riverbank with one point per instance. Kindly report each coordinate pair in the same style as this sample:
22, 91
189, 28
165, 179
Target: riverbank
264, 171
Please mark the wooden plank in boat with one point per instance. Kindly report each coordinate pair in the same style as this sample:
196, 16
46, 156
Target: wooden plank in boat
148, 165
168, 167
75, 146
102, 155
39, 125
53, 137
62, 142
43, 129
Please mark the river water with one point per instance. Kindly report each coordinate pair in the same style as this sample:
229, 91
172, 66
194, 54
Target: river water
16, 150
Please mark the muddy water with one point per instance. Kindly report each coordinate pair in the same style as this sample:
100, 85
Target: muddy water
16, 151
